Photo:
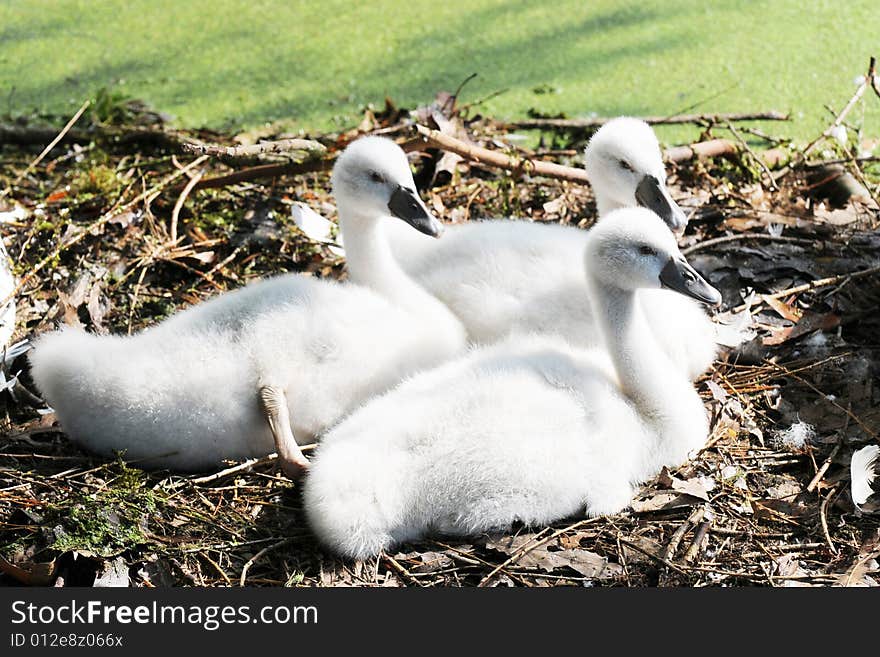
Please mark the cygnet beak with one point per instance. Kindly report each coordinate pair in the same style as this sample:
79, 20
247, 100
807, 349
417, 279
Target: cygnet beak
679, 276
652, 194
405, 204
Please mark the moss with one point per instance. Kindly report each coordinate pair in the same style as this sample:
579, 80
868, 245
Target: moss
109, 521
97, 180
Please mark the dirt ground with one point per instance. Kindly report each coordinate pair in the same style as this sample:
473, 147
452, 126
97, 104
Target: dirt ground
767, 502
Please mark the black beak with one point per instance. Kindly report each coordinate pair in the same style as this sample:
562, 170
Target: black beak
405, 204
678, 275
652, 194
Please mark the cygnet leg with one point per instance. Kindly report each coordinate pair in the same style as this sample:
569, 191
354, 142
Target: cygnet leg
274, 404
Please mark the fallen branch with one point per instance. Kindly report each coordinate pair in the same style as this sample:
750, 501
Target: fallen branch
585, 124
514, 163
746, 236
711, 148
282, 146
435, 139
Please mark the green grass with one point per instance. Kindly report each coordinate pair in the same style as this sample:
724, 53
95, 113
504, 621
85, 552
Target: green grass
228, 64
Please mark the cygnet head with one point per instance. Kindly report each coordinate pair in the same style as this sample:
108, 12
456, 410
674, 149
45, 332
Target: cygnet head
372, 179
625, 168
632, 248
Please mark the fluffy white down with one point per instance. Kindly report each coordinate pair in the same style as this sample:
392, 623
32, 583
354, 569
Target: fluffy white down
184, 394
531, 429
505, 276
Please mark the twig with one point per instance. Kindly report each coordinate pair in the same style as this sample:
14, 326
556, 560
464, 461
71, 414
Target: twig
746, 236
823, 517
48, 148
244, 466
813, 285
282, 146
759, 161
216, 567
261, 553
582, 124
838, 120
401, 570
648, 553
870, 80
826, 463
697, 543
695, 517
178, 206
872, 65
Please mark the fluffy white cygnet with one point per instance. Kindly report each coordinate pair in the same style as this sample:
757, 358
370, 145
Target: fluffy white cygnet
507, 276
192, 391
531, 429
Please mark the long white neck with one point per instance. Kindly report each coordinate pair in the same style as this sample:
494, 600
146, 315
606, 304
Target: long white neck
661, 393
604, 202
372, 264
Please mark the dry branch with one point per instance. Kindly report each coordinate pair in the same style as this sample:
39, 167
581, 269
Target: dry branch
585, 124
514, 163
869, 81
711, 148
814, 285
281, 147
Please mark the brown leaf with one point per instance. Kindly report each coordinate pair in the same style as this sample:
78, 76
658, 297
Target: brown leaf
664, 500
588, 564
788, 312
807, 324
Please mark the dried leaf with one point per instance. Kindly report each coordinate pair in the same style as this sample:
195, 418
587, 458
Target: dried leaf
589, 564
664, 500
807, 324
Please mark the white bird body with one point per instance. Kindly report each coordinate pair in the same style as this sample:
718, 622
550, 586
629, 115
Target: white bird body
184, 394
531, 429
509, 276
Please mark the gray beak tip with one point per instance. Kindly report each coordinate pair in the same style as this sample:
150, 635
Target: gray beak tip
405, 204
679, 276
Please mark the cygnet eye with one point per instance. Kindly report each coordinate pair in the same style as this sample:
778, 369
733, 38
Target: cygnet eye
626, 166
377, 177
646, 250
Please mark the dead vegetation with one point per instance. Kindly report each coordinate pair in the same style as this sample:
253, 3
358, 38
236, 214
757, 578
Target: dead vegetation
119, 227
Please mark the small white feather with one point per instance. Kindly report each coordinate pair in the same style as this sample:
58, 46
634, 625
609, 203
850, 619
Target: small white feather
313, 225
7, 285
17, 213
862, 473
839, 133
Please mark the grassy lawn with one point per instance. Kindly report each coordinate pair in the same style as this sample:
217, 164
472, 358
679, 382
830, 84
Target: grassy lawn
227, 64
